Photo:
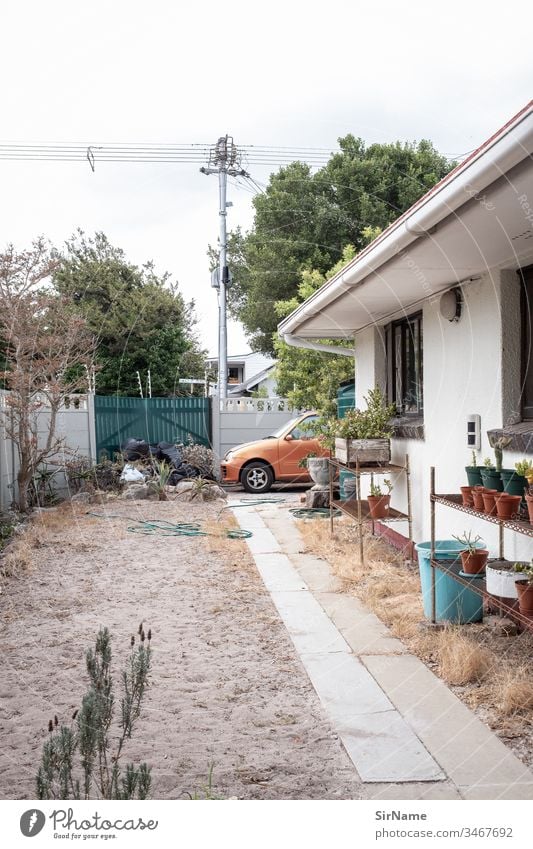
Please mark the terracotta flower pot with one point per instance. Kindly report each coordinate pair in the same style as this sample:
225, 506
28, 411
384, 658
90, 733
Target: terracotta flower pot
489, 502
477, 497
525, 596
466, 492
379, 506
474, 561
507, 506
529, 502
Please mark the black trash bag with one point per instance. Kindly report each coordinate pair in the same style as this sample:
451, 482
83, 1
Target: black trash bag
135, 449
169, 454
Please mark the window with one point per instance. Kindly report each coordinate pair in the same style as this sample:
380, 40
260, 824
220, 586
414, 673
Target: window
526, 309
299, 433
404, 364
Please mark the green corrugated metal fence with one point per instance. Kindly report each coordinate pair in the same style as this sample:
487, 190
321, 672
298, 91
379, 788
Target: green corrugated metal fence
153, 419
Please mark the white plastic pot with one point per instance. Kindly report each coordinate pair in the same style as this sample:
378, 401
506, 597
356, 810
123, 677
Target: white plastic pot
501, 581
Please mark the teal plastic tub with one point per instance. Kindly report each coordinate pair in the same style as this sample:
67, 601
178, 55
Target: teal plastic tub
344, 476
453, 602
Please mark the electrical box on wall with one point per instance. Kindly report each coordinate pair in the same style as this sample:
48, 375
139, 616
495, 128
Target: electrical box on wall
473, 432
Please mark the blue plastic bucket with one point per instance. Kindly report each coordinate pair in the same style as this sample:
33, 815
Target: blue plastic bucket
344, 476
453, 602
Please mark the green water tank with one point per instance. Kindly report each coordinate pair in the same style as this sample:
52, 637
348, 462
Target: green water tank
345, 398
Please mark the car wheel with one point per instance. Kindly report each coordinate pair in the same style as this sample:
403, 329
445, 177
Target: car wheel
257, 478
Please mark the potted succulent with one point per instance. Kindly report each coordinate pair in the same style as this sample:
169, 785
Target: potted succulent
475, 556
524, 587
515, 480
378, 501
529, 499
364, 435
491, 476
473, 472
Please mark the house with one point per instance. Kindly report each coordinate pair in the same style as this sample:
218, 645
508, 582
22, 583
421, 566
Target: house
438, 310
247, 374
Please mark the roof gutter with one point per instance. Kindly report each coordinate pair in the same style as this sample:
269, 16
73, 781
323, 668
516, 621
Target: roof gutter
298, 342
509, 147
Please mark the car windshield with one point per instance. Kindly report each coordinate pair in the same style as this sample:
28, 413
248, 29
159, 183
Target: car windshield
288, 426
285, 427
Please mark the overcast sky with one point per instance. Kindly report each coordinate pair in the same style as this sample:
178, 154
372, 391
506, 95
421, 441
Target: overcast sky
280, 73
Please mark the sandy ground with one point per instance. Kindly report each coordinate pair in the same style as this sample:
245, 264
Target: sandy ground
227, 687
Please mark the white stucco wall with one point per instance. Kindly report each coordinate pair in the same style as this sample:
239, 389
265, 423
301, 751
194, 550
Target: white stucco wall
463, 366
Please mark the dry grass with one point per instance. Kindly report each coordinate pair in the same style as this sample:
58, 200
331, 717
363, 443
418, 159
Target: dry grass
487, 667
516, 689
462, 660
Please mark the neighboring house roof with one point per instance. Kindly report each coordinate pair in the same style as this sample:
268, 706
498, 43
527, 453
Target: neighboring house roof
251, 382
480, 216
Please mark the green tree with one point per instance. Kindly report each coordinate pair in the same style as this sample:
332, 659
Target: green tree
310, 379
140, 319
304, 220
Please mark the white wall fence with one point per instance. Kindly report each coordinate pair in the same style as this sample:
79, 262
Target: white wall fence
245, 419
75, 423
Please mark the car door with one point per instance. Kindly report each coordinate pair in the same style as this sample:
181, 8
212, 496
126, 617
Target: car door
294, 447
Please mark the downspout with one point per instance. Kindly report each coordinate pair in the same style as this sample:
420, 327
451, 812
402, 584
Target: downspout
298, 342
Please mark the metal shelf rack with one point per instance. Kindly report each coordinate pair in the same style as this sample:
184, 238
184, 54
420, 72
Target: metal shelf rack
520, 525
357, 508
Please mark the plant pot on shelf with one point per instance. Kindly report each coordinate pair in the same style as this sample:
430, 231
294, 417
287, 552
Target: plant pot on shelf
501, 579
507, 506
318, 468
379, 506
474, 562
492, 479
473, 474
513, 483
489, 503
477, 498
525, 596
529, 502
362, 451
466, 493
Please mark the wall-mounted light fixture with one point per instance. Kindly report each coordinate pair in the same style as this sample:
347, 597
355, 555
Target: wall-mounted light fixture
451, 304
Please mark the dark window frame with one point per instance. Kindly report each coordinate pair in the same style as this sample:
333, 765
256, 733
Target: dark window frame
398, 377
526, 339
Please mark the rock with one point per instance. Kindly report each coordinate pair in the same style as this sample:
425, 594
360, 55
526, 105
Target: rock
183, 486
81, 498
500, 626
318, 496
137, 492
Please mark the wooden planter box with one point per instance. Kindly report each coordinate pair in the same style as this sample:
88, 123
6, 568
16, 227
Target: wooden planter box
351, 451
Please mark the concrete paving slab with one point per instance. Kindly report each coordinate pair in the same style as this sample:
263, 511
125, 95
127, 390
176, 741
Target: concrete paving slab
472, 755
345, 687
263, 541
278, 573
384, 748
498, 791
310, 629
417, 790
249, 518
316, 573
365, 633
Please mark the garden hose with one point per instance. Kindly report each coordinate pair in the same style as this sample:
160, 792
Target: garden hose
313, 512
159, 527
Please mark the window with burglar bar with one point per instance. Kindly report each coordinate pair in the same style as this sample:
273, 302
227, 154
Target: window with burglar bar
405, 364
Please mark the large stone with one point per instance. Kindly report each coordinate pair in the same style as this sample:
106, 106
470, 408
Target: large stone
138, 492
317, 497
81, 498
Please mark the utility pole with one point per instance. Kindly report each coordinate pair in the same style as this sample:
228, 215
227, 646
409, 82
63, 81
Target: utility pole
224, 159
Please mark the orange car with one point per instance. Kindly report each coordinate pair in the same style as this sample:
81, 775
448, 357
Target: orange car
257, 465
